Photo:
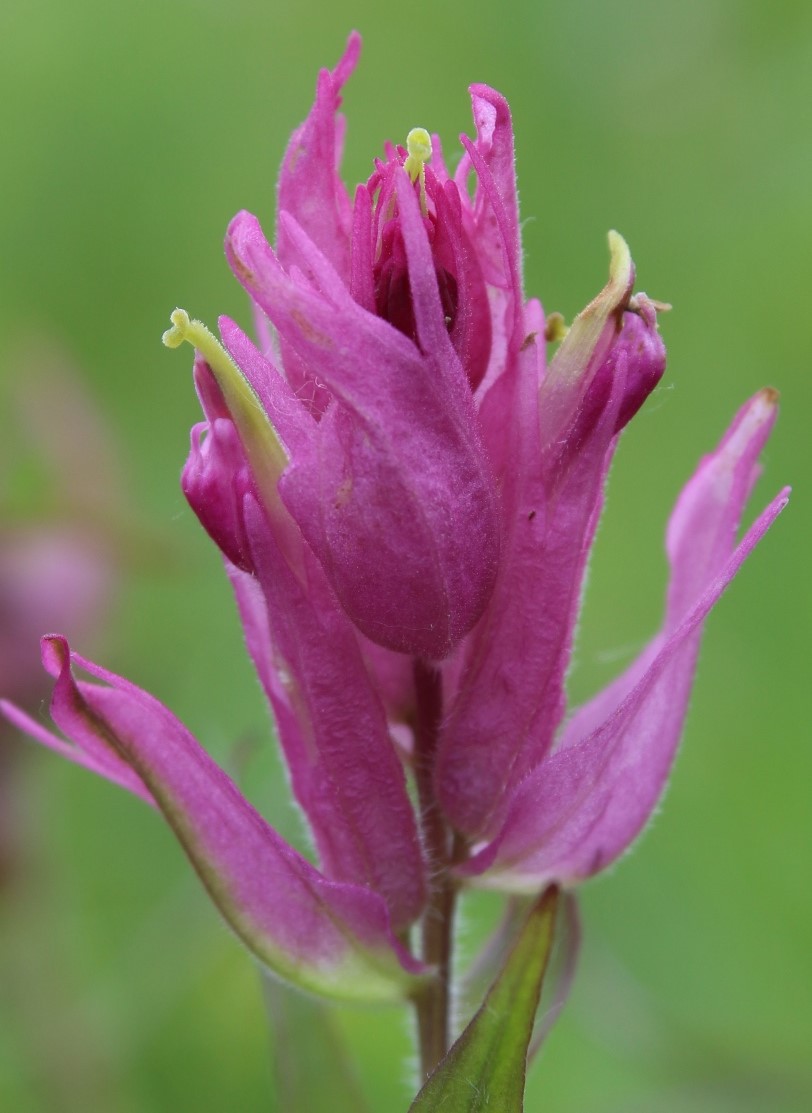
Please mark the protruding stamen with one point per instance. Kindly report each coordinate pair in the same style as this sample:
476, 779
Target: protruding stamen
418, 144
267, 457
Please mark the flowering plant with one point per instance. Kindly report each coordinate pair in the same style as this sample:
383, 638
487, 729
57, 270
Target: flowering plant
405, 491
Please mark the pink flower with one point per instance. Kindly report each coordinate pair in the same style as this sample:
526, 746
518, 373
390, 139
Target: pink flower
405, 493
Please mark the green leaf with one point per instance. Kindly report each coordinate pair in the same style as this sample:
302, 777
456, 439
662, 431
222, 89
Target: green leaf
312, 1067
485, 1068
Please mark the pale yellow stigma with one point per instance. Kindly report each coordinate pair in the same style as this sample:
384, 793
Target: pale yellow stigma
418, 144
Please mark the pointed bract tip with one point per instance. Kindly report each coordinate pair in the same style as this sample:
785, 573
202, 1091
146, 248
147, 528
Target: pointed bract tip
352, 50
758, 412
755, 419
55, 653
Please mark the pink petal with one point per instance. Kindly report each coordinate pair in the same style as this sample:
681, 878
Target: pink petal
493, 223
329, 937
345, 772
496, 204
432, 334
582, 806
332, 723
393, 495
97, 758
311, 191
511, 696
585, 347
310, 188
213, 479
472, 327
362, 281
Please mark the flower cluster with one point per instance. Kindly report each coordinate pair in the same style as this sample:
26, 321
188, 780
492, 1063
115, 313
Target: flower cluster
405, 492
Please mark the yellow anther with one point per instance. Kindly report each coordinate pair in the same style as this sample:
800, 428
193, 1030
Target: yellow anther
556, 328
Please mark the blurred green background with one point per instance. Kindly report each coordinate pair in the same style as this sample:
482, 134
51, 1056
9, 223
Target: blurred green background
131, 134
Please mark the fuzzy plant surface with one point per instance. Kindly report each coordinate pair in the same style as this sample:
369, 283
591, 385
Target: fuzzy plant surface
403, 468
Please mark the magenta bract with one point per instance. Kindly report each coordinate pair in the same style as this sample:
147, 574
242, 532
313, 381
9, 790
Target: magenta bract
330, 937
581, 806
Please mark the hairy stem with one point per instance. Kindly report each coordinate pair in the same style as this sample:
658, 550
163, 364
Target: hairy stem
432, 1003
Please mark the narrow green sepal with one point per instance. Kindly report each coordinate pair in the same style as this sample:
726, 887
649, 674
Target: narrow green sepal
485, 1069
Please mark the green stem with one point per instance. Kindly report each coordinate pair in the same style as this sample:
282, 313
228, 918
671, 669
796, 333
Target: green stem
432, 1003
